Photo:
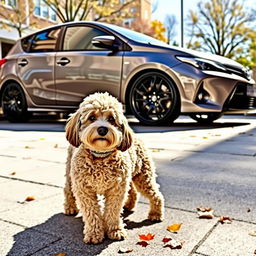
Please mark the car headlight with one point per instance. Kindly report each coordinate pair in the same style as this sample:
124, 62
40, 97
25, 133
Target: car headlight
202, 64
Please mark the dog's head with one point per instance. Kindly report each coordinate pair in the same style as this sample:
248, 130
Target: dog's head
99, 123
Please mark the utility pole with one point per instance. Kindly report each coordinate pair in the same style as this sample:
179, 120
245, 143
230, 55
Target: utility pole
182, 23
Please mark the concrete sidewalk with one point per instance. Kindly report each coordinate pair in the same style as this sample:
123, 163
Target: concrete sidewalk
33, 165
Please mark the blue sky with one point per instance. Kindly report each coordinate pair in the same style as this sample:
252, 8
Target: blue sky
165, 7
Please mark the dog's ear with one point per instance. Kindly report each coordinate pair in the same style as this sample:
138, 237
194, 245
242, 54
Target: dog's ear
72, 129
127, 137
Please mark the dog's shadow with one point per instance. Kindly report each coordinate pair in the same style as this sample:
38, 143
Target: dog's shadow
61, 234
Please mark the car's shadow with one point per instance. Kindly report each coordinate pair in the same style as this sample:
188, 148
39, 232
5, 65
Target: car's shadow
52, 124
61, 234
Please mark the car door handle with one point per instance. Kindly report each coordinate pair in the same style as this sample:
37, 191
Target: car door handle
23, 62
63, 61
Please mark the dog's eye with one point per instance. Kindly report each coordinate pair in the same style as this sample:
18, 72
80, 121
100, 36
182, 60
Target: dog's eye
111, 119
92, 118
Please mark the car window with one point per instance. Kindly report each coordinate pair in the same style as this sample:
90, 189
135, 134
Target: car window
80, 38
45, 41
25, 42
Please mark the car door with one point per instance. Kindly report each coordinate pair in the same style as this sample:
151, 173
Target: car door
81, 68
35, 67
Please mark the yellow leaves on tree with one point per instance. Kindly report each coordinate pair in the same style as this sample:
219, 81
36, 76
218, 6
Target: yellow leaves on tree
159, 30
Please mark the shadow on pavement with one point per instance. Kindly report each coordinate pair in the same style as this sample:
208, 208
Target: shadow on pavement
51, 124
61, 234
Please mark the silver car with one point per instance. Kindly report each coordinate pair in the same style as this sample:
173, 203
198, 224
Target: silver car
55, 68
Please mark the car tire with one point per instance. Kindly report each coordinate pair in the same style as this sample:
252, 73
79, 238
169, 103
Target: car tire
14, 104
154, 99
205, 118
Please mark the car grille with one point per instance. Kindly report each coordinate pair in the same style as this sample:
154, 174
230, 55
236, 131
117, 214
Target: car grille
239, 99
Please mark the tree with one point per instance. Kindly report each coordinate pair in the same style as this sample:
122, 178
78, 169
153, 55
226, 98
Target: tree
158, 30
220, 26
170, 25
18, 16
103, 10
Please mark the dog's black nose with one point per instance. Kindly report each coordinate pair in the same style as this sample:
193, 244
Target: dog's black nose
102, 130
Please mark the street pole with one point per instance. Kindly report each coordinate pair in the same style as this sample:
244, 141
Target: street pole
182, 23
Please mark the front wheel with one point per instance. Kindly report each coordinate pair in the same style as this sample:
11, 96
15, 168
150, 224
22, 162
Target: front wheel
14, 103
154, 99
205, 118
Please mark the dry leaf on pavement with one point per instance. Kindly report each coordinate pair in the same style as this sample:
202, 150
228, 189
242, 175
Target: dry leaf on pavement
147, 237
59, 254
174, 228
143, 243
252, 233
12, 173
225, 219
205, 212
30, 198
124, 250
173, 244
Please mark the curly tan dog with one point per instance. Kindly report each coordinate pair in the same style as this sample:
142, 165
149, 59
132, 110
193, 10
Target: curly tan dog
106, 158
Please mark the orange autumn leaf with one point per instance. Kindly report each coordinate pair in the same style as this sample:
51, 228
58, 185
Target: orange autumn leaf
174, 228
60, 254
225, 219
147, 237
30, 198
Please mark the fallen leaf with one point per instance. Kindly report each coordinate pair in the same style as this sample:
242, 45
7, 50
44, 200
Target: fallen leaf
59, 254
147, 237
225, 219
42, 139
155, 150
143, 243
56, 146
205, 137
255, 252
174, 228
173, 244
205, 212
166, 239
124, 250
30, 198
12, 173
252, 233
28, 147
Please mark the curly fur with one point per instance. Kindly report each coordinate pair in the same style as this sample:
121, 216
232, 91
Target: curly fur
115, 164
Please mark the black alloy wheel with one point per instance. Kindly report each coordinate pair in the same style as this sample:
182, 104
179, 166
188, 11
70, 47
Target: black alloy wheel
154, 99
14, 103
205, 118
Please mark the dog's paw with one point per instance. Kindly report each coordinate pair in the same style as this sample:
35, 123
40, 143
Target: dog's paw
94, 237
117, 234
156, 216
70, 211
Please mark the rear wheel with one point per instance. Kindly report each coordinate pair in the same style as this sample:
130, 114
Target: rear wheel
14, 103
154, 99
206, 118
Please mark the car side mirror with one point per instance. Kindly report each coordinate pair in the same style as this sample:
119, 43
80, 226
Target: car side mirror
108, 42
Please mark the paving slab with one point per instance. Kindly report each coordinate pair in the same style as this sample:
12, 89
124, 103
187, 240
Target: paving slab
33, 170
13, 195
18, 241
230, 240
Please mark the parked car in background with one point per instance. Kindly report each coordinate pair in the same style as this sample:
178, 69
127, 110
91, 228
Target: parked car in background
55, 68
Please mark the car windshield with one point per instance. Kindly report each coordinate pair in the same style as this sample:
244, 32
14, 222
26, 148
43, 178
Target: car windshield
136, 36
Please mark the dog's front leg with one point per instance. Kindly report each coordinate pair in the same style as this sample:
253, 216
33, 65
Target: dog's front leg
92, 217
114, 202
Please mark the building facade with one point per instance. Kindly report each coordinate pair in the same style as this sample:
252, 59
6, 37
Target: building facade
41, 16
